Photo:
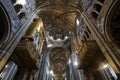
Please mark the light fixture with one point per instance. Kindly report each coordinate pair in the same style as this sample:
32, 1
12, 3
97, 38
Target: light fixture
51, 37
77, 22
51, 72
49, 45
6, 66
66, 37
69, 61
105, 66
75, 63
22, 2
58, 39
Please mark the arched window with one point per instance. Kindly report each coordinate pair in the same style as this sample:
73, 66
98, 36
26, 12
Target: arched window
88, 30
102, 1
87, 35
84, 38
17, 7
94, 15
97, 7
21, 15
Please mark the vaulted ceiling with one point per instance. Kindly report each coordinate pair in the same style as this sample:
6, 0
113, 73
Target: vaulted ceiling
59, 18
59, 14
58, 59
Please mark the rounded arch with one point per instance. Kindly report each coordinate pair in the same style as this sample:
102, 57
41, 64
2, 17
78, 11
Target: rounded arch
112, 24
4, 25
58, 58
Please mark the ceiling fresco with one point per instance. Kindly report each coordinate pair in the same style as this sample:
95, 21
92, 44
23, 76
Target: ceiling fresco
58, 60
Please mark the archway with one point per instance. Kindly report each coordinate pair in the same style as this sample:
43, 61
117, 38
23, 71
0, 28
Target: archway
58, 58
112, 25
4, 25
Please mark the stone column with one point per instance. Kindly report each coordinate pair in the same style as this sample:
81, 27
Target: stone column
42, 67
68, 73
73, 71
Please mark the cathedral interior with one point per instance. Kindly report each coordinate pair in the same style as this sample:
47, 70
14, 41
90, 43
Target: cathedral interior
59, 39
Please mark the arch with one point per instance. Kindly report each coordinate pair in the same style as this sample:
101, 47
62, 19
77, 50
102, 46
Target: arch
102, 1
18, 7
112, 25
4, 25
94, 15
97, 7
58, 58
88, 30
21, 15
87, 35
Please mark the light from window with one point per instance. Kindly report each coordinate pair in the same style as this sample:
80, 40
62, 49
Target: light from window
22, 2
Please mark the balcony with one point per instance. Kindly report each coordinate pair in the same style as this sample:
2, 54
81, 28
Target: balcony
25, 55
88, 53
27, 52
